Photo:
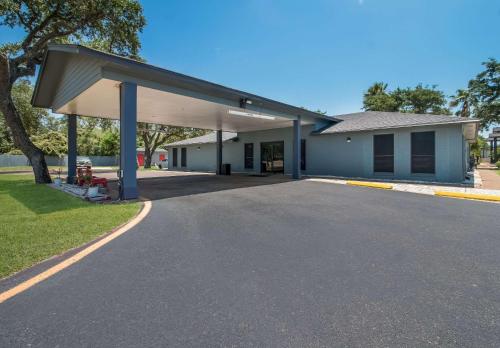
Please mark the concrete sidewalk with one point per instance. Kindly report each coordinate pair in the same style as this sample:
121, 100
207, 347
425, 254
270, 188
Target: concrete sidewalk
429, 189
490, 179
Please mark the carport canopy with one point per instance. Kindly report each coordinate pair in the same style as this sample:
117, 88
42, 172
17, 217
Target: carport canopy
77, 80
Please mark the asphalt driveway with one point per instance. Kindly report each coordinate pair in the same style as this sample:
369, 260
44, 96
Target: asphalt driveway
293, 264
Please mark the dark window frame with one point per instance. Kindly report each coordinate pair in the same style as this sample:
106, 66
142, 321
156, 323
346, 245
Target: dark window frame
174, 157
183, 157
248, 156
383, 161
423, 156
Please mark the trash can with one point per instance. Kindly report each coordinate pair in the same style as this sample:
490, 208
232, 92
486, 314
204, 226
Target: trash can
226, 169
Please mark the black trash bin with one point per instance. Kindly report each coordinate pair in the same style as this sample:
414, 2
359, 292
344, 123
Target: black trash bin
226, 169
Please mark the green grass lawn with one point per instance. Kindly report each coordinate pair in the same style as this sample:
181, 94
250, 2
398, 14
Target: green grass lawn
37, 222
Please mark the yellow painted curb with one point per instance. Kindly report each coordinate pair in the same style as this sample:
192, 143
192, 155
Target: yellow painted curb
378, 185
477, 196
4, 296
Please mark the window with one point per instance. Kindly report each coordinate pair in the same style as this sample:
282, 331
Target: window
383, 153
303, 154
183, 157
249, 156
174, 157
423, 152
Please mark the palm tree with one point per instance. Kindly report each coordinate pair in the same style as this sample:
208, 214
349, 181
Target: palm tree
376, 89
463, 100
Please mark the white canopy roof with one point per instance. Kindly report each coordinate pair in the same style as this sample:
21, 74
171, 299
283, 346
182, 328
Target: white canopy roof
83, 81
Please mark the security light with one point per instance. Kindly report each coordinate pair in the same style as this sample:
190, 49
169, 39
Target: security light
348, 139
244, 102
249, 114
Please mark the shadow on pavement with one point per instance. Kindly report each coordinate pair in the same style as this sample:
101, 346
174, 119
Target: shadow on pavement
155, 188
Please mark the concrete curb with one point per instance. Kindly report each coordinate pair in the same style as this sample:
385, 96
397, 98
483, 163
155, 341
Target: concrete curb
370, 184
418, 189
475, 196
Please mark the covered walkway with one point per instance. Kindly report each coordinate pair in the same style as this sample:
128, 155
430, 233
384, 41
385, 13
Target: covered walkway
76, 80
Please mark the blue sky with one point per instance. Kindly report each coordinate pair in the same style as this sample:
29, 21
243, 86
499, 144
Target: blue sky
321, 54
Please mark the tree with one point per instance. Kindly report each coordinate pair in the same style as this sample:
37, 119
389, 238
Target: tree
31, 117
380, 102
51, 143
87, 141
377, 88
478, 146
376, 98
109, 144
34, 120
153, 136
5, 139
420, 100
463, 100
484, 90
112, 23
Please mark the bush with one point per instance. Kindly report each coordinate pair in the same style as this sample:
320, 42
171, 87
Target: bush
498, 164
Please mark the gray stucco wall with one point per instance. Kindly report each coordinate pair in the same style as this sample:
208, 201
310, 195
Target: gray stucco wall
331, 154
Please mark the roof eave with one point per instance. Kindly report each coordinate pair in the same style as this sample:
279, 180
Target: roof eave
34, 96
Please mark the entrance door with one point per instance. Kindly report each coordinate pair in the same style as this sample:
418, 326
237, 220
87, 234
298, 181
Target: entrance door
272, 157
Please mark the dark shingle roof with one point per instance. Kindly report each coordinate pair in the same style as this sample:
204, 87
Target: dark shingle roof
372, 120
204, 139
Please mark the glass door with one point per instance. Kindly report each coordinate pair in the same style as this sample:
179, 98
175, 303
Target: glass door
272, 157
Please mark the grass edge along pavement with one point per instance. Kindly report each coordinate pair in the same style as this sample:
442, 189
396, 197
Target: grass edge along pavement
38, 222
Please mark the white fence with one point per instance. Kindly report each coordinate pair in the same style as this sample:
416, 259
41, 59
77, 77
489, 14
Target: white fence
21, 160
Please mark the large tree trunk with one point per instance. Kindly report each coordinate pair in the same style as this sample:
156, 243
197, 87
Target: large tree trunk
147, 157
13, 121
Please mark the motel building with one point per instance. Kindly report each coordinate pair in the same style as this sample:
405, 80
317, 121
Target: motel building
252, 134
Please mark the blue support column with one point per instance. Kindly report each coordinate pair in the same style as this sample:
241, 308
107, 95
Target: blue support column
71, 149
296, 148
128, 124
219, 152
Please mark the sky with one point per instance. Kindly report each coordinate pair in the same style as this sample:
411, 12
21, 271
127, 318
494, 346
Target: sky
321, 54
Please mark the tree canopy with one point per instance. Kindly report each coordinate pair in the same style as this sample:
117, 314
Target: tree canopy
481, 99
420, 99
